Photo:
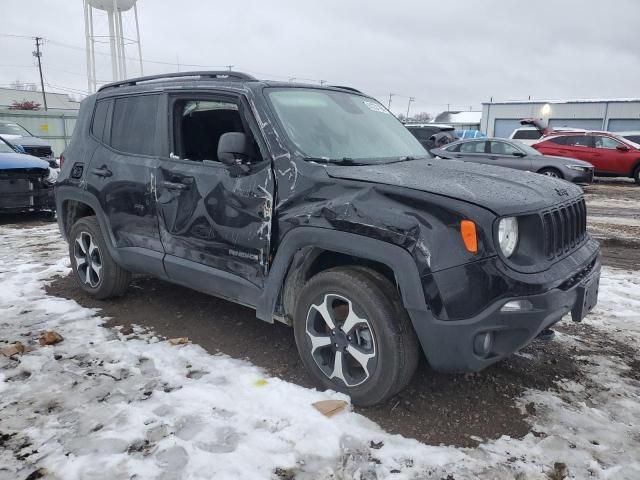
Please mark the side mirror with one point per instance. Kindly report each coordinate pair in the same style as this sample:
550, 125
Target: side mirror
233, 148
622, 148
518, 154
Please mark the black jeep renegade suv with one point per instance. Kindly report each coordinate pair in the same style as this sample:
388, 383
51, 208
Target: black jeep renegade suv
316, 207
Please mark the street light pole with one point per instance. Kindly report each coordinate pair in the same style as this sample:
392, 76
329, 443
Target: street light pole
411, 99
390, 95
38, 54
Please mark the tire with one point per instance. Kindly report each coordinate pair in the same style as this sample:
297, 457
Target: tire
551, 172
636, 175
100, 277
378, 352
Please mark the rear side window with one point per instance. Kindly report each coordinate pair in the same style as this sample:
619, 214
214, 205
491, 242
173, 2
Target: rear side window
527, 134
133, 129
559, 140
100, 119
472, 147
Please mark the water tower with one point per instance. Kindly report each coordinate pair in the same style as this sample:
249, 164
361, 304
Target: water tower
117, 38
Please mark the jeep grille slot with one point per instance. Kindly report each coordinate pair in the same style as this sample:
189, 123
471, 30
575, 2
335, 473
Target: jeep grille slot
565, 228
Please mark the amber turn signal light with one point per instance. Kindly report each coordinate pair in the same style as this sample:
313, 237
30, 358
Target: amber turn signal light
469, 235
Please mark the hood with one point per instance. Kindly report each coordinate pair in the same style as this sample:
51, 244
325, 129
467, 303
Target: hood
504, 191
26, 141
14, 161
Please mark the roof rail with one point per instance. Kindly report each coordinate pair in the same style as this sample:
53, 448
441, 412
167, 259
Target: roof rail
346, 88
221, 75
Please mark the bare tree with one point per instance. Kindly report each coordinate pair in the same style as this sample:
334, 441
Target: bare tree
422, 117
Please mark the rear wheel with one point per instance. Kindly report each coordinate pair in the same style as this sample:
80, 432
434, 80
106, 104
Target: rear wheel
94, 269
636, 174
354, 336
551, 172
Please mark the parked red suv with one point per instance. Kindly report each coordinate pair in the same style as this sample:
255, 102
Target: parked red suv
610, 154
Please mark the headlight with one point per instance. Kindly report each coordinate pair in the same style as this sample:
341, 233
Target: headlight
580, 168
508, 235
53, 176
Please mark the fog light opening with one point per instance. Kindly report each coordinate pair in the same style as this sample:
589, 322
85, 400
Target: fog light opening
517, 306
482, 344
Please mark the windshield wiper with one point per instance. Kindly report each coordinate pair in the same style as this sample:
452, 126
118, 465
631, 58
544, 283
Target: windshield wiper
335, 161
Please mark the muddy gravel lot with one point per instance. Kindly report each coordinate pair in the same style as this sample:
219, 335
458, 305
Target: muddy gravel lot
459, 410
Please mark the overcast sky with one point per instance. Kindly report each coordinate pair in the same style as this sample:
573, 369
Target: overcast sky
458, 52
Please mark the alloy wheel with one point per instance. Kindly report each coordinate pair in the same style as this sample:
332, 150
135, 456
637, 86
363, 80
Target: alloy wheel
88, 260
343, 344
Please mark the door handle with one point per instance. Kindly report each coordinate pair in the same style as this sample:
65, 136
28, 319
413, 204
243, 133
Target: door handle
174, 185
458, 156
103, 171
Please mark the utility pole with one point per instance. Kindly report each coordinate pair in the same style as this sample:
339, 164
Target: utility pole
38, 54
229, 67
411, 99
390, 95
322, 82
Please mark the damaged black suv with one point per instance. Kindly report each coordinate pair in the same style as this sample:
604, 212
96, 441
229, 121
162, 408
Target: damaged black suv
316, 207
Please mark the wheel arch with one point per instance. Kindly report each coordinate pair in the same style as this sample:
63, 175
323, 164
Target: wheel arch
634, 167
308, 250
73, 204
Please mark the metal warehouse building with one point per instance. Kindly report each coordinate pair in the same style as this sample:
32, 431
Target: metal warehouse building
499, 119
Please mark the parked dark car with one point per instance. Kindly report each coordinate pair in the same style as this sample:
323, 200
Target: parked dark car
22, 138
26, 182
610, 154
316, 207
432, 135
513, 154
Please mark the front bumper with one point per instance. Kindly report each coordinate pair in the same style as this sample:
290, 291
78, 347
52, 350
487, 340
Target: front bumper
451, 345
581, 177
23, 195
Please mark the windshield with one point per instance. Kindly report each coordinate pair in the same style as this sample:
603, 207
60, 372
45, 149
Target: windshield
626, 140
338, 126
526, 148
4, 148
13, 129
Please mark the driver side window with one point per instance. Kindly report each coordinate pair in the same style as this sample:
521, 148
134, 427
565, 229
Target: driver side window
503, 148
198, 125
606, 142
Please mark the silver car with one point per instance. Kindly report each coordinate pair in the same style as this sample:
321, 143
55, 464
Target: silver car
514, 154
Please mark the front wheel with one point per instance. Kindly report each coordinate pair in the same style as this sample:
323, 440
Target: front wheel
636, 175
354, 336
551, 172
94, 269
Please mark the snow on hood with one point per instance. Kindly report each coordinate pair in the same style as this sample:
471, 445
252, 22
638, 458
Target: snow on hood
14, 161
504, 191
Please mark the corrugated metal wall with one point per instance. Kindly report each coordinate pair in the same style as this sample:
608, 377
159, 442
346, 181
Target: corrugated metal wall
499, 119
54, 127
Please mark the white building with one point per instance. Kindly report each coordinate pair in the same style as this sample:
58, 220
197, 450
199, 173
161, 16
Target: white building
55, 101
499, 119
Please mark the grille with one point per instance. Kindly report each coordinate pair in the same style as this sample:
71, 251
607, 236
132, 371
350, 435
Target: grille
565, 228
41, 152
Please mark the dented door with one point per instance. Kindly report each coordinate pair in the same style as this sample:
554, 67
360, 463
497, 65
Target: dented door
213, 216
